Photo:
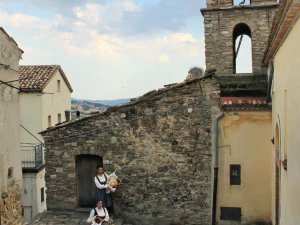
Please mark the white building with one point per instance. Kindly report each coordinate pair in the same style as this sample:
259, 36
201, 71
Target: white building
45, 100
10, 159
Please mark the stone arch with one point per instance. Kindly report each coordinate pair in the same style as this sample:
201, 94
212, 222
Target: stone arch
238, 2
238, 33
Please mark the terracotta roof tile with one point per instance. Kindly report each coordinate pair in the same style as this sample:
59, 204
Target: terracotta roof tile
35, 78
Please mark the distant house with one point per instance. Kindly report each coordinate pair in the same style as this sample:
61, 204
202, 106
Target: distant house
45, 100
10, 160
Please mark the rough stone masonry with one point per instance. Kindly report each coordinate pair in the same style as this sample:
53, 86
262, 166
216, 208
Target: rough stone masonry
159, 145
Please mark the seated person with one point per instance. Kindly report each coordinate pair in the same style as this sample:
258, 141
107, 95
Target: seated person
98, 215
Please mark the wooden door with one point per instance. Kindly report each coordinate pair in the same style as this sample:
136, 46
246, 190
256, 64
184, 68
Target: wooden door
86, 168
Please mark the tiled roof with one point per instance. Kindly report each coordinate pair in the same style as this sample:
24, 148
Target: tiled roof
244, 104
284, 19
36, 78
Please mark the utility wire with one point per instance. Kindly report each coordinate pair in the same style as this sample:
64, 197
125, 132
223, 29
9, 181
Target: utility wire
3, 82
7, 67
31, 134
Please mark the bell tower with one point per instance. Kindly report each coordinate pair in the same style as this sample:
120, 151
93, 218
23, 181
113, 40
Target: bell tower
226, 22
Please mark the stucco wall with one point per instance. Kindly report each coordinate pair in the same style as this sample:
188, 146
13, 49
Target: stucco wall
286, 110
31, 198
244, 138
31, 117
55, 102
10, 157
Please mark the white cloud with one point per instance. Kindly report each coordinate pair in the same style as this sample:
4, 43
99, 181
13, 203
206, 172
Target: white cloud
90, 43
18, 19
164, 58
130, 6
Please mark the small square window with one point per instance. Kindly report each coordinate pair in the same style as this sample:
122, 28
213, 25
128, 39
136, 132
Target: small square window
235, 174
67, 115
42, 194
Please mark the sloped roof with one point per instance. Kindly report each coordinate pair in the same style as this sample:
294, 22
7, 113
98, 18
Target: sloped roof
35, 78
284, 19
209, 74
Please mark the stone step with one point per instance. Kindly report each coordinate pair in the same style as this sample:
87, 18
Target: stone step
83, 210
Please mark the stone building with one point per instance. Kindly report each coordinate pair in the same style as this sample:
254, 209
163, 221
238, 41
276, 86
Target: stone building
224, 22
283, 59
242, 147
10, 159
159, 145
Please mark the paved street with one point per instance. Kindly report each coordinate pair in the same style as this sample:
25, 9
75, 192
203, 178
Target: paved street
60, 217
66, 218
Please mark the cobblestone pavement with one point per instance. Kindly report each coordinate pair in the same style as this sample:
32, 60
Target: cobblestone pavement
60, 218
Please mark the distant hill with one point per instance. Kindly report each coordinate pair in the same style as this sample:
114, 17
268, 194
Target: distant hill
87, 107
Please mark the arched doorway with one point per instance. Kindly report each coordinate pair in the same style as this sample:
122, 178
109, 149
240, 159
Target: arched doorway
242, 49
241, 2
86, 170
277, 175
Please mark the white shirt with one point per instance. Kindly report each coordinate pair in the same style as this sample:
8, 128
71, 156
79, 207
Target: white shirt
102, 179
102, 186
100, 213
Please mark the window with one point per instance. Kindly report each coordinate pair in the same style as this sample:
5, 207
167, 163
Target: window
242, 49
49, 121
235, 174
67, 115
58, 118
58, 85
241, 2
42, 194
231, 213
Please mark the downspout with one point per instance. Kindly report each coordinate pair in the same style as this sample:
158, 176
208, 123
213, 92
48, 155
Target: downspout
215, 137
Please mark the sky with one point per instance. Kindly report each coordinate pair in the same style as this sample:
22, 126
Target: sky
109, 49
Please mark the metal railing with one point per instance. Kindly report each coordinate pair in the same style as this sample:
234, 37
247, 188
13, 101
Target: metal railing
32, 156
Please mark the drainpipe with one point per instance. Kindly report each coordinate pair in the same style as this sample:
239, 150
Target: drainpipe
216, 168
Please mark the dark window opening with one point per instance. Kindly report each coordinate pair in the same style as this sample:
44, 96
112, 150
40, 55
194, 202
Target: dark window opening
58, 85
67, 115
235, 174
241, 2
42, 194
49, 121
58, 118
10, 173
242, 49
231, 213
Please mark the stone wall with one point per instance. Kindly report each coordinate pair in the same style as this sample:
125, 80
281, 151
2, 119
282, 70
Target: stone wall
219, 25
10, 205
160, 146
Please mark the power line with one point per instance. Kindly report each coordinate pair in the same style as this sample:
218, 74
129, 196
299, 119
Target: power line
3, 82
8, 67
31, 134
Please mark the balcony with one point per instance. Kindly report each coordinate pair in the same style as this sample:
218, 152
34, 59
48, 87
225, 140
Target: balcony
32, 157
